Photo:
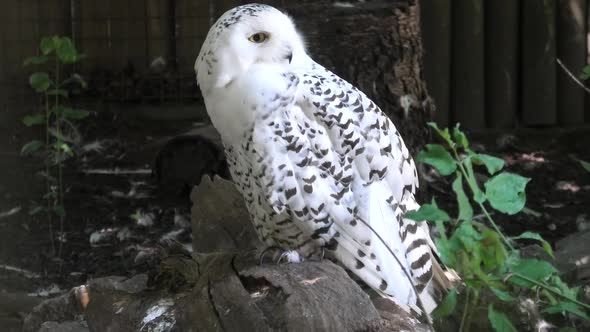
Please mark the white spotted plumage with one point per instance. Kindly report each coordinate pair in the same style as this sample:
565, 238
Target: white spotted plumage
318, 163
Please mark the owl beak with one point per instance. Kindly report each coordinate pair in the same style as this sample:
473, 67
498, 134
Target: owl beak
289, 57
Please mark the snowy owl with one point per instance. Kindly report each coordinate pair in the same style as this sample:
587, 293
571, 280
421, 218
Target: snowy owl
321, 168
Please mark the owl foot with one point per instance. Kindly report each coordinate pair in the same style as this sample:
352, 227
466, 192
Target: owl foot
266, 251
290, 256
280, 256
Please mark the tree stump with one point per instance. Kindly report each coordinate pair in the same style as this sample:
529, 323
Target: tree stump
222, 287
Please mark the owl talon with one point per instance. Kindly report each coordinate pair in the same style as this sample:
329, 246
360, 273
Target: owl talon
290, 256
265, 252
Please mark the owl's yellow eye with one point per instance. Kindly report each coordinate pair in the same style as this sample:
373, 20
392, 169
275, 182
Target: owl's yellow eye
258, 37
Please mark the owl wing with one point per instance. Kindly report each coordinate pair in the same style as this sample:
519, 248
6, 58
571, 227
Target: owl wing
328, 157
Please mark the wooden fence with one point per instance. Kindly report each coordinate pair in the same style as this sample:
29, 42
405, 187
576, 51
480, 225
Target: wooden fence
494, 64
488, 64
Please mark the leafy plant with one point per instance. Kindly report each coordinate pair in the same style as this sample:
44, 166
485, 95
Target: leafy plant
57, 120
486, 259
585, 165
585, 73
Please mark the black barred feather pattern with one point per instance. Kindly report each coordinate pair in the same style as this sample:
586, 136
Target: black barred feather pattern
319, 165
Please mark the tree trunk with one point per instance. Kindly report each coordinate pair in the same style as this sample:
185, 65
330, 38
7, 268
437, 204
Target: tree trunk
376, 45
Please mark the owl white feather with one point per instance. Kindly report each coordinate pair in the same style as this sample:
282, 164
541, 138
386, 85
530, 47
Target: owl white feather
320, 167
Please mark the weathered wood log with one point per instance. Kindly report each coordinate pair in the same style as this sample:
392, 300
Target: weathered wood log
220, 218
182, 161
223, 287
229, 292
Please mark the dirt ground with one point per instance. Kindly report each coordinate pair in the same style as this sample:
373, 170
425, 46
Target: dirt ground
115, 222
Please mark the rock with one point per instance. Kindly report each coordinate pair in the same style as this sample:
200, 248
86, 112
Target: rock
572, 256
222, 287
59, 309
220, 219
69, 326
183, 160
132, 285
230, 292
61, 313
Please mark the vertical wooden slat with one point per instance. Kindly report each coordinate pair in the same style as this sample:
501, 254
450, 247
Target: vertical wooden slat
3, 66
11, 29
192, 18
137, 34
435, 19
587, 97
157, 29
571, 47
501, 63
119, 29
94, 34
538, 63
467, 101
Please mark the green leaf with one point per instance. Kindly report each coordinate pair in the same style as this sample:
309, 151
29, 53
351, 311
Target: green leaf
506, 192
40, 82
492, 163
585, 165
36, 209
57, 110
465, 209
66, 51
447, 305
31, 147
502, 295
566, 306
59, 136
47, 45
500, 322
34, 119
70, 113
36, 60
59, 210
76, 78
428, 212
533, 269
493, 252
585, 72
51, 194
563, 288
468, 236
446, 251
536, 236
567, 329
460, 137
436, 156
59, 92
443, 133
65, 148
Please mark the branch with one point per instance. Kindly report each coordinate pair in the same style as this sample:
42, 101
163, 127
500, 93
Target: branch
574, 78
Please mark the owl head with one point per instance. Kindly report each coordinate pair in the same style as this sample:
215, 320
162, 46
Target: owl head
243, 36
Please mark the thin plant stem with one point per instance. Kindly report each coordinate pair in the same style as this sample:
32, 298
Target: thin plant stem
485, 211
549, 288
472, 308
572, 76
466, 310
60, 197
47, 175
481, 206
